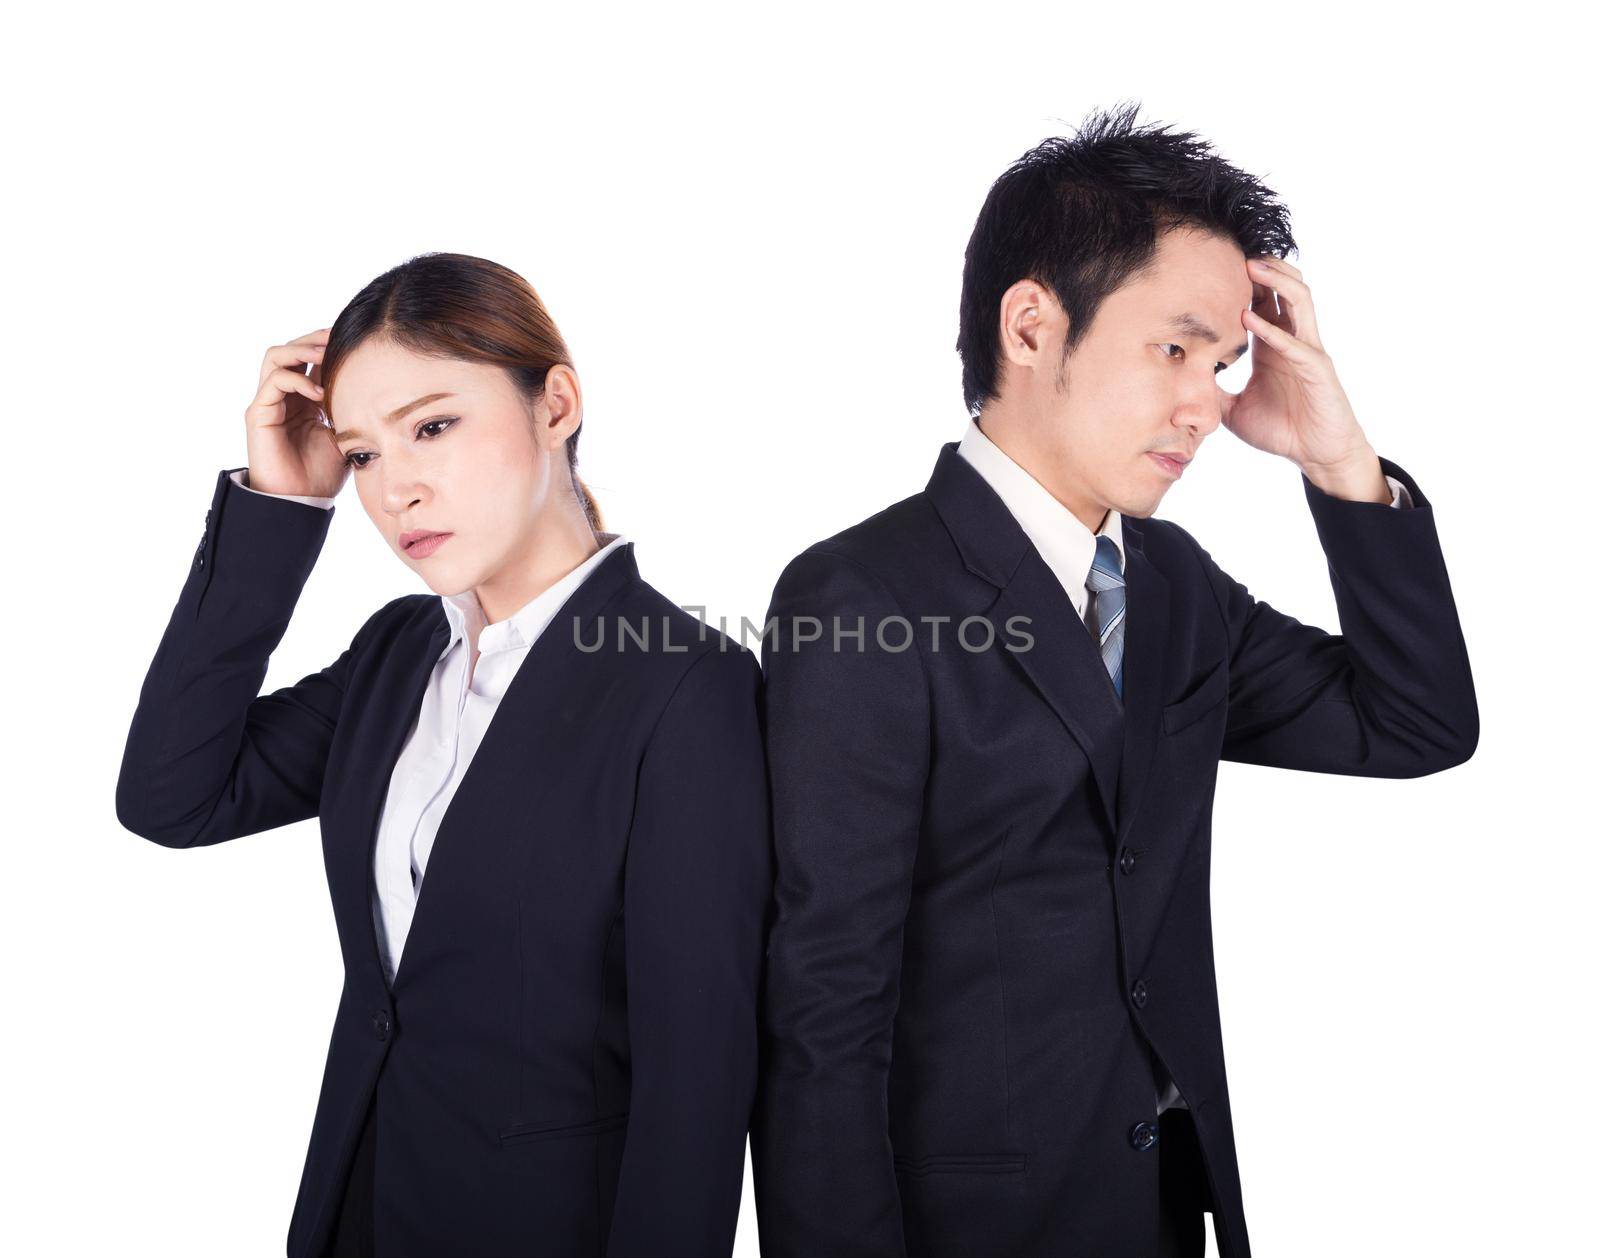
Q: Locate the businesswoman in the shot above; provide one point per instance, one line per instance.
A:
(540, 788)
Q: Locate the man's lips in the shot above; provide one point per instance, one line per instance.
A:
(1172, 463)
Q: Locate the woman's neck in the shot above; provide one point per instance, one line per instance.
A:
(557, 545)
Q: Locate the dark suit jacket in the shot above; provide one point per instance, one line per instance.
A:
(992, 890)
(566, 1062)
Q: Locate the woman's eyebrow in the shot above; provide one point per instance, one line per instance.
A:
(400, 412)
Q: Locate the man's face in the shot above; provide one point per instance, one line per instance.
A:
(1146, 376)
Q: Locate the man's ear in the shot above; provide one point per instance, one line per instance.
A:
(1028, 310)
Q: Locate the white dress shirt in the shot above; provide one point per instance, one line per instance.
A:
(1063, 541)
(1067, 546)
(469, 678)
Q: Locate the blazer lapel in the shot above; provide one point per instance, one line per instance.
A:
(1144, 666)
(1064, 661)
(390, 716)
(522, 733)
(1065, 666)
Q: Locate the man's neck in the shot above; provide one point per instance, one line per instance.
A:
(1011, 434)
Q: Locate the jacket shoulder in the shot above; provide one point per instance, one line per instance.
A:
(398, 615)
(1166, 536)
(1181, 558)
(1172, 548)
(672, 640)
(900, 539)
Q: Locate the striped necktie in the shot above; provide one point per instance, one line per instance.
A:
(1110, 605)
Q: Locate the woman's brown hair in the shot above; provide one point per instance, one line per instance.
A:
(453, 305)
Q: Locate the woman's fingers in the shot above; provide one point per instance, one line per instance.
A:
(306, 348)
(276, 386)
(288, 405)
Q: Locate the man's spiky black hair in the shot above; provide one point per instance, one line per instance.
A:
(1083, 214)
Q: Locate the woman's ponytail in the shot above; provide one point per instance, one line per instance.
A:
(591, 508)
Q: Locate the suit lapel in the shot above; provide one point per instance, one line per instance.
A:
(520, 752)
(391, 715)
(1117, 736)
(1143, 670)
(1065, 666)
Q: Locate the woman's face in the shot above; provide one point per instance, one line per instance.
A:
(442, 445)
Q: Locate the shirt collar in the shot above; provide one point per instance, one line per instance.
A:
(523, 627)
(1063, 541)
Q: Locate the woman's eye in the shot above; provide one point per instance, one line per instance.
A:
(426, 430)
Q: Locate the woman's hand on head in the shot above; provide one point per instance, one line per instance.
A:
(291, 449)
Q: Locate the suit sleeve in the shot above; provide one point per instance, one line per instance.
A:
(697, 888)
(848, 747)
(1391, 695)
(241, 477)
(207, 757)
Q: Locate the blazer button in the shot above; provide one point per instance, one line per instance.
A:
(380, 1024)
(1143, 1136)
(1126, 863)
(1140, 993)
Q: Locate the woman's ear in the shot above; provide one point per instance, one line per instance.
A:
(560, 411)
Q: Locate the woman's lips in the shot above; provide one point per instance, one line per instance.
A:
(426, 545)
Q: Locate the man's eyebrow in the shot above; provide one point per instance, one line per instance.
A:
(1186, 324)
(400, 412)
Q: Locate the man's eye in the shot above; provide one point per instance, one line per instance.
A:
(1216, 371)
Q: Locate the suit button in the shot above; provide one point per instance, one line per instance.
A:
(380, 1024)
(1143, 1136)
(1140, 993)
(1126, 863)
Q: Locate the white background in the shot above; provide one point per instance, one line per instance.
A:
(749, 224)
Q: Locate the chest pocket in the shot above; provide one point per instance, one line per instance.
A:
(1211, 691)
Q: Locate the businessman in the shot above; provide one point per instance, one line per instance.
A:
(995, 711)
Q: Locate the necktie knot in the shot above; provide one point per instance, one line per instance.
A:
(1106, 572)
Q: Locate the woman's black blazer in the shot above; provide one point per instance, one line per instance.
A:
(566, 1060)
